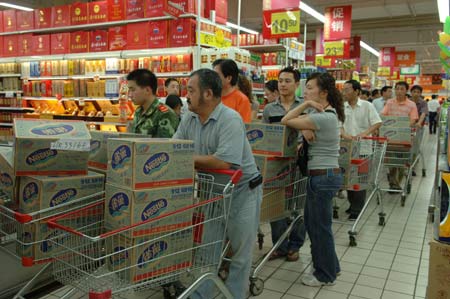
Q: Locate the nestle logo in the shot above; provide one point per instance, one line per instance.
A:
(95, 145)
(156, 163)
(153, 209)
(40, 156)
(254, 135)
(30, 192)
(153, 251)
(119, 257)
(52, 130)
(6, 180)
(118, 203)
(120, 156)
(63, 196)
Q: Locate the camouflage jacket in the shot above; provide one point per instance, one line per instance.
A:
(159, 121)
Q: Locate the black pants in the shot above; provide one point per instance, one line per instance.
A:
(432, 116)
(356, 200)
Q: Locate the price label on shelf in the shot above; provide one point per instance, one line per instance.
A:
(9, 94)
(79, 145)
(335, 48)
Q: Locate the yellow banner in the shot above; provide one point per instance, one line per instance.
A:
(285, 22)
(214, 40)
(335, 48)
(322, 62)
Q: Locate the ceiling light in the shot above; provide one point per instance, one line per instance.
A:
(15, 6)
(369, 48)
(444, 10)
(234, 26)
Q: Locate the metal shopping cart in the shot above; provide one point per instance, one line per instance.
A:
(26, 236)
(283, 197)
(404, 155)
(152, 253)
(363, 173)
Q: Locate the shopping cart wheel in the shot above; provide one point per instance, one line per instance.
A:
(352, 241)
(335, 214)
(382, 221)
(260, 241)
(256, 286)
(424, 173)
(403, 199)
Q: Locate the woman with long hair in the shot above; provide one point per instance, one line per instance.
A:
(245, 86)
(321, 112)
(271, 91)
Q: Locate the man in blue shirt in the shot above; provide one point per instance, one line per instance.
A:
(220, 143)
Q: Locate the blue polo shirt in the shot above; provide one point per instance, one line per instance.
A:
(223, 135)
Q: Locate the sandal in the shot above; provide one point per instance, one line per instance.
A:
(277, 255)
(292, 256)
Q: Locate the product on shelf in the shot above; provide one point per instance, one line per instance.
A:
(98, 11)
(79, 13)
(42, 18)
(60, 16)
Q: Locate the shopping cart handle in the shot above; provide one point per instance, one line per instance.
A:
(234, 174)
(375, 138)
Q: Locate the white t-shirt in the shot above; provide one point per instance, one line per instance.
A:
(433, 105)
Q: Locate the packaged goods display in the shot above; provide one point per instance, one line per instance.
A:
(8, 182)
(272, 139)
(275, 169)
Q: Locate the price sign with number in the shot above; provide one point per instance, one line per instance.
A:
(321, 61)
(281, 23)
(335, 49)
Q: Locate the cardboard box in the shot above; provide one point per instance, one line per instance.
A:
(273, 205)
(79, 42)
(41, 44)
(137, 36)
(439, 271)
(98, 41)
(98, 12)
(124, 207)
(8, 182)
(181, 63)
(43, 192)
(117, 37)
(79, 14)
(98, 156)
(42, 18)
(276, 171)
(25, 20)
(60, 43)
(60, 15)
(396, 121)
(272, 139)
(140, 259)
(25, 44)
(135, 9)
(10, 45)
(116, 10)
(142, 163)
(157, 34)
(182, 32)
(9, 20)
(396, 135)
(349, 149)
(33, 153)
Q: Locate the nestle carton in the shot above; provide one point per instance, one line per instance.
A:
(8, 183)
(439, 271)
(273, 204)
(396, 121)
(349, 149)
(33, 152)
(276, 171)
(124, 207)
(98, 156)
(142, 163)
(135, 260)
(43, 192)
(272, 139)
(396, 134)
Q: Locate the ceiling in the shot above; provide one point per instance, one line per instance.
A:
(405, 24)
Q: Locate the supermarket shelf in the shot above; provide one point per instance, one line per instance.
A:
(9, 75)
(17, 109)
(69, 99)
(10, 91)
(105, 123)
(9, 125)
(265, 48)
(103, 76)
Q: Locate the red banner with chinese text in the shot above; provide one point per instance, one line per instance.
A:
(405, 58)
(338, 22)
(387, 57)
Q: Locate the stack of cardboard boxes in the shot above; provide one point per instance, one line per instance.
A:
(147, 178)
(275, 149)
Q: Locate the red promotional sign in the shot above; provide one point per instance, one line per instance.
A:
(280, 4)
(405, 58)
(310, 50)
(281, 23)
(319, 41)
(338, 22)
(387, 56)
(355, 47)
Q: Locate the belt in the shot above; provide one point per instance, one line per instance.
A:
(316, 172)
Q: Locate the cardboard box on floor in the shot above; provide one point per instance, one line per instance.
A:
(33, 153)
(272, 139)
(143, 163)
(439, 271)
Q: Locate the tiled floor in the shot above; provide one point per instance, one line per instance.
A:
(388, 262)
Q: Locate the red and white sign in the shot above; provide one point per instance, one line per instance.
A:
(387, 56)
(405, 58)
(338, 22)
(310, 50)
(355, 47)
(281, 23)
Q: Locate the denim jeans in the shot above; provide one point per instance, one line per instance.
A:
(241, 231)
(295, 239)
(318, 218)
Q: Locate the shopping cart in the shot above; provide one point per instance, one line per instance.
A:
(363, 173)
(26, 237)
(283, 197)
(404, 156)
(104, 263)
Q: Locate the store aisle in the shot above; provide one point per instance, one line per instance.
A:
(389, 262)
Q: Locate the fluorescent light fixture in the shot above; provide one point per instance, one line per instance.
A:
(369, 48)
(312, 12)
(234, 26)
(15, 6)
(444, 9)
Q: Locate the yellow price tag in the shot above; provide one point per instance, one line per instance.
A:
(285, 22)
(322, 61)
(335, 49)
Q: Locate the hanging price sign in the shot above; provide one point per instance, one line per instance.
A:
(281, 23)
(335, 49)
(321, 61)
